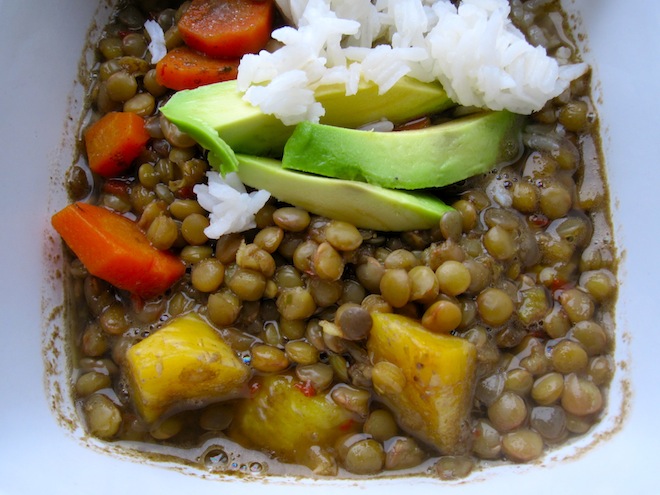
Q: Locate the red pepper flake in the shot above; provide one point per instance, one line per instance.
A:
(413, 125)
(186, 192)
(347, 425)
(538, 334)
(539, 220)
(116, 187)
(254, 388)
(559, 284)
(306, 388)
(556, 284)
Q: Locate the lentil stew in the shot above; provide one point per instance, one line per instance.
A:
(521, 273)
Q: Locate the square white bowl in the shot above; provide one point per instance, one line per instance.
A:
(42, 446)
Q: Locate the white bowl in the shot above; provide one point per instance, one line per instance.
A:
(42, 447)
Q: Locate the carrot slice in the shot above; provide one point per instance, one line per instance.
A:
(114, 141)
(184, 68)
(227, 28)
(113, 248)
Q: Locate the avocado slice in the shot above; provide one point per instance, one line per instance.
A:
(432, 157)
(218, 118)
(363, 205)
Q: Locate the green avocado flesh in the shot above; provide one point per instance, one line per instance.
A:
(218, 118)
(363, 205)
(432, 157)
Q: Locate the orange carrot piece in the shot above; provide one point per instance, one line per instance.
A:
(114, 141)
(113, 248)
(184, 68)
(227, 28)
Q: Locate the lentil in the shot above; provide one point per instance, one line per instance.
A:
(522, 445)
(388, 378)
(91, 382)
(223, 307)
(487, 440)
(381, 425)
(395, 287)
(442, 316)
(454, 278)
(167, 428)
(548, 388)
(365, 457)
(569, 357)
(495, 306)
(403, 453)
(453, 467)
(508, 412)
(343, 236)
(319, 375)
(301, 352)
(102, 416)
(208, 275)
(268, 359)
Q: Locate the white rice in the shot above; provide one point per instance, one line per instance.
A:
(156, 46)
(231, 207)
(474, 50)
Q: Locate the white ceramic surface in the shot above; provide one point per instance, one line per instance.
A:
(41, 452)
